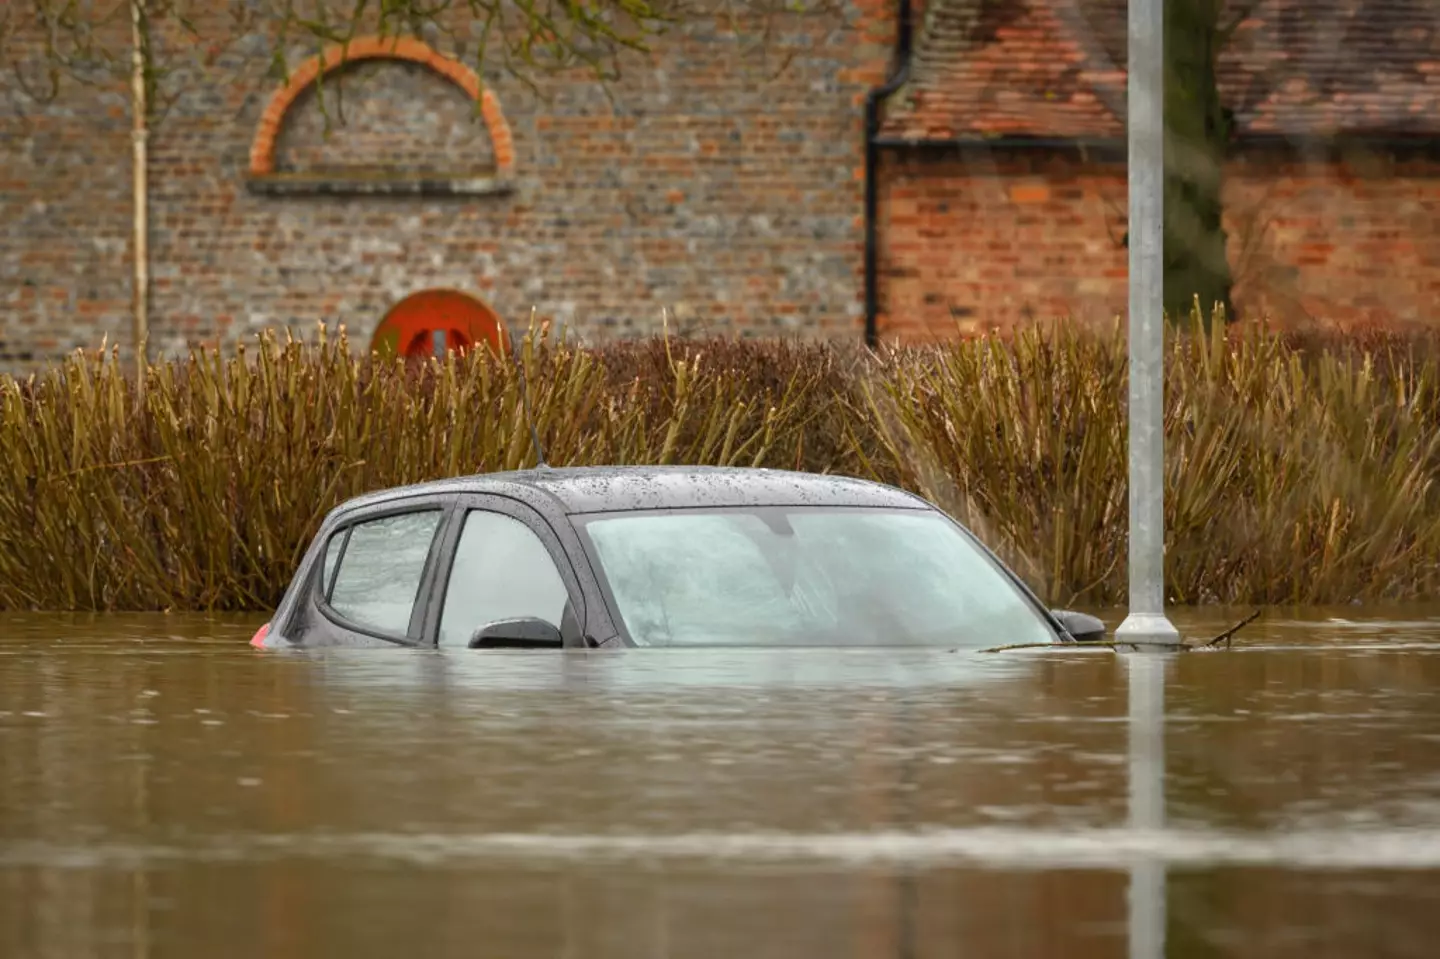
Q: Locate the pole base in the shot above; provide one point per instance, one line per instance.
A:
(1148, 632)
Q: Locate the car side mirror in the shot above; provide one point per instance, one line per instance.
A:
(1082, 627)
(517, 634)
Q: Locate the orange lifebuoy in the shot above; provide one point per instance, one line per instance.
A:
(432, 321)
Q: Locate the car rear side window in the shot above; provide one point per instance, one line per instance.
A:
(380, 572)
(502, 570)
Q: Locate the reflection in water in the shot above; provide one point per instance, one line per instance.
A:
(170, 792)
(1146, 729)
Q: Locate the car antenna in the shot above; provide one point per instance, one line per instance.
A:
(525, 401)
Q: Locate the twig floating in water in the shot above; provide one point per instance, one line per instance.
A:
(1226, 636)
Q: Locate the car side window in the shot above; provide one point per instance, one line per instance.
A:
(380, 571)
(502, 570)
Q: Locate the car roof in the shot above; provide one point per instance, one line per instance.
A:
(594, 489)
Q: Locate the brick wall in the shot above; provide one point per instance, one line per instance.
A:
(65, 214)
(987, 243)
(715, 184)
(350, 123)
(1336, 243)
(719, 183)
(972, 245)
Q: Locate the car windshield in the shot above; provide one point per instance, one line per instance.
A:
(776, 576)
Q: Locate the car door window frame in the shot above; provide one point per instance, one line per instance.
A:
(415, 629)
(533, 520)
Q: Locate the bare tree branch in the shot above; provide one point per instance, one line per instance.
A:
(50, 42)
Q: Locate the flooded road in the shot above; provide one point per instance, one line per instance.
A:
(169, 792)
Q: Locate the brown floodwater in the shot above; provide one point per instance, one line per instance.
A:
(167, 791)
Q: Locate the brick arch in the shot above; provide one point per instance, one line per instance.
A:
(262, 151)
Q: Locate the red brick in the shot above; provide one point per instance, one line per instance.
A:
(1030, 193)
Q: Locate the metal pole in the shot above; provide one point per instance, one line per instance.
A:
(1146, 626)
(140, 108)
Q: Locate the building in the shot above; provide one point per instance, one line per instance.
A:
(720, 180)
(1332, 195)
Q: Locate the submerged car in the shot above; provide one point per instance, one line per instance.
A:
(600, 557)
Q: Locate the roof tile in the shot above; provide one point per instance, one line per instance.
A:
(1056, 68)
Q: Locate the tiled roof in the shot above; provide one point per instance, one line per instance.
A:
(1056, 68)
(1321, 66)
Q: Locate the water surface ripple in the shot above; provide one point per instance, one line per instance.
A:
(170, 792)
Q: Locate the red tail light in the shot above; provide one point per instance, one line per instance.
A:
(258, 640)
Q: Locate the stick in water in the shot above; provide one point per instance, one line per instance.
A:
(1226, 636)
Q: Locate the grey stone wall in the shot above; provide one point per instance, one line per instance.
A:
(710, 182)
